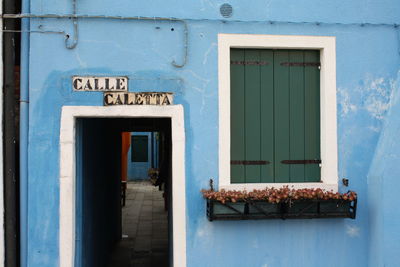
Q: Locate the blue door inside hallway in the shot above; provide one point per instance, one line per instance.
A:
(140, 155)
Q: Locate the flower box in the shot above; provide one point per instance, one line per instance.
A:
(334, 205)
(229, 208)
(331, 207)
(217, 210)
(279, 203)
(263, 207)
(303, 209)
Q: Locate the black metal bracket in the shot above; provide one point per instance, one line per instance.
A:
(250, 62)
(301, 64)
(249, 162)
(211, 184)
(305, 161)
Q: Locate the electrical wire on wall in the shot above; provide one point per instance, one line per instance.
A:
(184, 21)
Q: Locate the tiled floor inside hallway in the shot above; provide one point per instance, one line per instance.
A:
(144, 229)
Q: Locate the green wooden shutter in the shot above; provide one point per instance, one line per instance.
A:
(140, 148)
(275, 115)
(252, 116)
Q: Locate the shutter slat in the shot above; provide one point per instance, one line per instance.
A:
(237, 116)
(281, 115)
(267, 115)
(296, 115)
(312, 115)
(252, 116)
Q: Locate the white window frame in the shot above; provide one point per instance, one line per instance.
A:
(327, 47)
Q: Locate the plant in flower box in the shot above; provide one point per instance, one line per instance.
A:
(227, 202)
(280, 203)
(261, 202)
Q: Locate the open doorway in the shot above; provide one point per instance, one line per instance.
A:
(123, 222)
(68, 228)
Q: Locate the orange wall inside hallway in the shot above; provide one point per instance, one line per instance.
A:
(126, 143)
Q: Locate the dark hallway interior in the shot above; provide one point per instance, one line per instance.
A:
(139, 233)
(144, 228)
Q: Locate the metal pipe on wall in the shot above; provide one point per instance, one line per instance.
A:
(10, 140)
(24, 122)
(122, 18)
(74, 43)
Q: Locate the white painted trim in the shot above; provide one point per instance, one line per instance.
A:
(327, 47)
(2, 239)
(67, 171)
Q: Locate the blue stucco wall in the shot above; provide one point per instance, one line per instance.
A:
(383, 183)
(367, 71)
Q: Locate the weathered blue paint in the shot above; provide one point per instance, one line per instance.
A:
(138, 170)
(367, 71)
(383, 184)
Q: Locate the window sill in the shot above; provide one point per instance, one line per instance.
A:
(251, 186)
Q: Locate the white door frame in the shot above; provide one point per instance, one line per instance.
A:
(69, 115)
